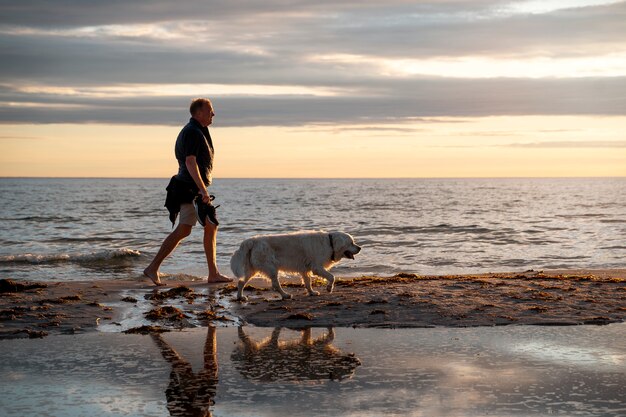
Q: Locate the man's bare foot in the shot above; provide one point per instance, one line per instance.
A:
(219, 279)
(154, 276)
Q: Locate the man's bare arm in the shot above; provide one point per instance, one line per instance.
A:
(194, 171)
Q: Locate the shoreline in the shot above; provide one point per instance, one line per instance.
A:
(558, 297)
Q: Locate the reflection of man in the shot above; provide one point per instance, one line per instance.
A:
(189, 394)
(194, 152)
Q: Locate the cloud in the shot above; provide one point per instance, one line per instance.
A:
(389, 29)
(19, 138)
(613, 64)
(380, 102)
(495, 133)
(72, 13)
(123, 62)
(368, 129)
(570, 144)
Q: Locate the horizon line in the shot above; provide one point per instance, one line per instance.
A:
(326, 178)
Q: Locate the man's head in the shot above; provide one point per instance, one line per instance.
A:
(201, 109)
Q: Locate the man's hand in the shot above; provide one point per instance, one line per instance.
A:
(205, 195)
(192, 167)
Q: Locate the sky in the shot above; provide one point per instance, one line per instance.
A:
(450, 88)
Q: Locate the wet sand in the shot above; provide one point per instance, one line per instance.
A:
(404, 300)
(531, 371)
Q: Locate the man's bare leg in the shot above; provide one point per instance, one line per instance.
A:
(210, 243)
(167, 247)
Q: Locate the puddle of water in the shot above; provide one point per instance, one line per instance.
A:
(133, 314)
(228, 371)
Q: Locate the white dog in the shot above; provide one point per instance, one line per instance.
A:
(305, 253)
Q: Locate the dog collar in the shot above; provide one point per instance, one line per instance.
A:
(332, 248)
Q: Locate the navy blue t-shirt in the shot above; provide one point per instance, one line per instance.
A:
(194, 140)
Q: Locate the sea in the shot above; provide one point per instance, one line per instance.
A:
(69, 229)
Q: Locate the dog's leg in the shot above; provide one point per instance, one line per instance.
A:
(276, 285)
(330, 336)
(321, 272)
(274, 339)
(306, 277)
(306, 337)
(249, 344)
(240, 286)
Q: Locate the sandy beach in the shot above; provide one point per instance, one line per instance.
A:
(466, 345)
(564, 297)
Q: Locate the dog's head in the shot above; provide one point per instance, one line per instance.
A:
(344, 245)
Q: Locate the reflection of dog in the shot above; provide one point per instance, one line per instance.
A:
(304, 252)
(296, 360)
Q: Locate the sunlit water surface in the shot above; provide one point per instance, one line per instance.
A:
(512, 371)
(76, 229)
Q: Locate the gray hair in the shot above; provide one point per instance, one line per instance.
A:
(197, 104)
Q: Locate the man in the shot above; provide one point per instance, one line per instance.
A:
(194, 152)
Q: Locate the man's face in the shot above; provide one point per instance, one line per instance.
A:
(205, 115)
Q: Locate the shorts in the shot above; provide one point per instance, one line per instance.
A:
(187, 214)
(189, 217)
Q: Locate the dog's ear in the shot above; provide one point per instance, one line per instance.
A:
(339, 244)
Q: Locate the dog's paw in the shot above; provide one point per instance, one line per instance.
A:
(314, 293)
(330, 287)
(242, 299)
(287, 296)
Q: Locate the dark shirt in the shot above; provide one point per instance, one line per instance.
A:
(194, 140)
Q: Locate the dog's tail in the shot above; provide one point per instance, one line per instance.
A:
(240, 261)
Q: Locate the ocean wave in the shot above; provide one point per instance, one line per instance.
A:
(89, 239)
(180, 277)
(442, 228)
(107, 255)
(581, 215)
(42, 219)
